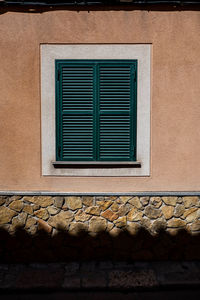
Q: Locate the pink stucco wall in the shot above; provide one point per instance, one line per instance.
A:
(175, 95)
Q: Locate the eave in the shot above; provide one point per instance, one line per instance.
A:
(142, 3)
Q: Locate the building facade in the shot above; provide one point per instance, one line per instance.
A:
(100, 128)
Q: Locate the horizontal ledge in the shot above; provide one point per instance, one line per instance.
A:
(131, 194)
(96, 164)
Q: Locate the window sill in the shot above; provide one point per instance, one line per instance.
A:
(90, 164)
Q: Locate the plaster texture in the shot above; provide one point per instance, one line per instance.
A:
(175, 90)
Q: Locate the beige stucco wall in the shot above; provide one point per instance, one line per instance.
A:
(175, 95)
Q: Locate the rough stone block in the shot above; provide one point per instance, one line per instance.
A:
(42, 225)
(72, 203)
(176, 223)
(71, 268)
(191, 201)
(97, 224)
(61, 220)
(144, 201)
(20, 220)
(88, 200)
(131, 279)
(167, 211)
(53, 210)
(104, 204)
(6, 215)
(135, 201)
(58, 201)
(110, 215)
(42, 213)
(16, 205)
(28, 209)
(37, 278)
(120, 222)
(72, 282)
(156, 201)
(93, 210)
(170, 200)
(152, 212)
(94, 280)
(179, 210)
(135, 215)
(77, 228)
(82, 216)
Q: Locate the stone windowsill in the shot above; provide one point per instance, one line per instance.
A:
(86, 164)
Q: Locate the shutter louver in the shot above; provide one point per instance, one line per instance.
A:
(96, 110)
(77, 136)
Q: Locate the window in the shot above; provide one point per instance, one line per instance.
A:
(97, 114)
(96, 110)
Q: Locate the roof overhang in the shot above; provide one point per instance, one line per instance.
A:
(98, 2)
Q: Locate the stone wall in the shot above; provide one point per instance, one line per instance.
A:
(94, 214)
(123, 227)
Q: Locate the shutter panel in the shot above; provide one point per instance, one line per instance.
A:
(76, 112)
(116, 111)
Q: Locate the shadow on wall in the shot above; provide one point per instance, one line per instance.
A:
(63, 247)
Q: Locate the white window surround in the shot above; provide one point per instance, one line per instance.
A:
(50, 52)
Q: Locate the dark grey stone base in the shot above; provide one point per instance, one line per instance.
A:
(99, 276)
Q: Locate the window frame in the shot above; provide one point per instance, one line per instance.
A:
(97, 64)
(51, 52)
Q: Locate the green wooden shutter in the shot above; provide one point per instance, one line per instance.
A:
(116, 98)
(75, 112)
(96, 110)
